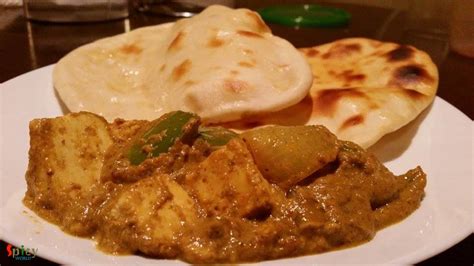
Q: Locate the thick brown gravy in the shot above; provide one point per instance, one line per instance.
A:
(203, 205)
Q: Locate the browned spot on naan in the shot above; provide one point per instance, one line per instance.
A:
(162, 68)
(405, 76)
(131, 49)
(311, 52)
(261, 26)
(189, 83)
(234, 72)
(354, 77)
(354, 47)
(403, 52)
(247, 51)
(249, 34)
(113, 86)
(349, 76)
(352, 121)
(215, 42)
(413, 94)
(341, 49)
(176, 43)
(246, 64)
(325, 103)
(180, 70)
(236, 86)
(193, 103)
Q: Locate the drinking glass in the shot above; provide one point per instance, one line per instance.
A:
(75, 10)
(177, 8)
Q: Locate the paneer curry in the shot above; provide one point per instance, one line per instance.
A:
(175, 189)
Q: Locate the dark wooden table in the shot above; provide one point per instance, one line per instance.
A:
(25, 46)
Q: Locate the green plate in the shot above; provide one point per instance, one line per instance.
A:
(305, 15)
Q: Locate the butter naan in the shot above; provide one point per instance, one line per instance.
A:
(221, 64)
(362, 90)
(226, 66)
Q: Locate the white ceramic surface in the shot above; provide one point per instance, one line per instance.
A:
(440, 140)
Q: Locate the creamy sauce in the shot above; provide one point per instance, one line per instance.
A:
(214, 206)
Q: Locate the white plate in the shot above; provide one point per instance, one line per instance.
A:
(442, 144)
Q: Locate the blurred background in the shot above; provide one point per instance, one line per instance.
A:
(442, 28)
(431, 25)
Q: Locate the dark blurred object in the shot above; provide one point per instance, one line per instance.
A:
(41, 49)
(426, 28)
(461, 254)
(168, 8)
(75, 11)
(462, 27)
(176, 8)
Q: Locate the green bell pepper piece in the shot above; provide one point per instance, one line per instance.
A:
(162, 134)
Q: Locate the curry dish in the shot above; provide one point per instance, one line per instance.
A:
(172, 188)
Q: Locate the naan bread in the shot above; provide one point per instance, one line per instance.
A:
(107, 77)
(222, 64)
(362, 90)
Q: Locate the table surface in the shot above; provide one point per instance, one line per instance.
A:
(25, 46)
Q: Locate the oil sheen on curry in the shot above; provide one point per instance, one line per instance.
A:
(173, 188)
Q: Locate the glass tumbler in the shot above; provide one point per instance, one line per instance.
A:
(177, 8)
(75, 10)
(462, 27)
